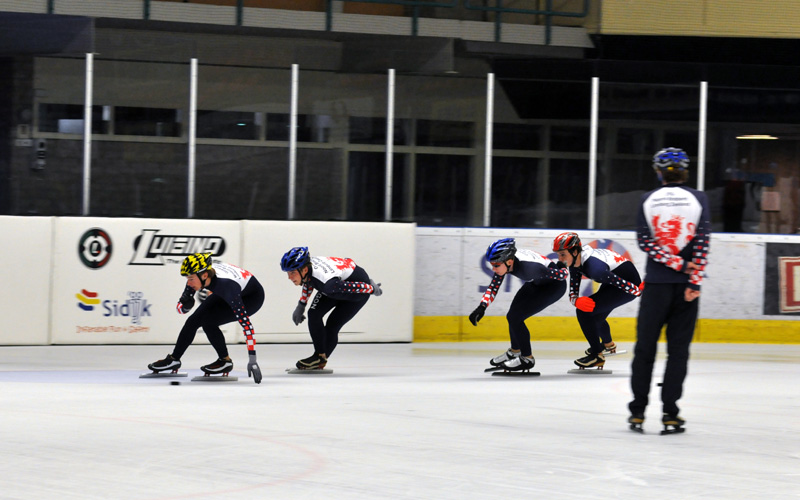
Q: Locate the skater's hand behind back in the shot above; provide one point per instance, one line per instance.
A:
(376, 288)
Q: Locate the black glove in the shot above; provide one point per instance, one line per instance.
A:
(253, 369)
(560, 265)
(297, 315)
(376, 288)
(185, 304)
(477, 314)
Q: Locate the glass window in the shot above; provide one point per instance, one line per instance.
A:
(68, 118)
(563, 138)
(227, 125)
(442, 190)
(517, 136)
(366, 182)
(519, 197)
(310, 128)
(568, 192)
(158, 122)
(635, 141)
(373, 130)
(445, 133)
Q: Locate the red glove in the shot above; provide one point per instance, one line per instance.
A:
(585, 304)
(641, 287)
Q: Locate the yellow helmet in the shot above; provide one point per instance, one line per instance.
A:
(195, 263)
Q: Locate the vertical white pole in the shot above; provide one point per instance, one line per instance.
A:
(487, 168)
(701, 139)
(593, 152)
(192, 136)
(87, 132)
(293, 142)
(387, 206)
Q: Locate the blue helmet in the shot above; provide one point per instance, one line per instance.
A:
(295, 259)
(670, 159)
(501, 250)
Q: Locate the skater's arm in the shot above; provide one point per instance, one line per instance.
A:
(306, 293)
(186, 302)
(492, 289)
(244, 321)
(574, 285)
(700, 244)
(600, 272)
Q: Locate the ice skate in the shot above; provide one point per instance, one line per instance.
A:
(217, 372)
(591, 361)
(314, 364)
(673, 424)
(167, 367)
(518, 365)
(608, 350)
(499, 360)
(636, 420)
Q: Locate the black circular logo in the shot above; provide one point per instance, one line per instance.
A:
(94, 248)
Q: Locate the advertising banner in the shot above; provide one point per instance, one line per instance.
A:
(117, 281)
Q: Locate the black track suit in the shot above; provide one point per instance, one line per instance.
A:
(673, 229)
(235, 296)
(545, 283)
(341, 286)
(619, 284)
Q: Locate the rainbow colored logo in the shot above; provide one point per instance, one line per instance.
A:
(87, 300)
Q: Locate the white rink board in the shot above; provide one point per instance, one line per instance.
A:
(733, 289)
(25, 293)
(138, 289)
(385, 251)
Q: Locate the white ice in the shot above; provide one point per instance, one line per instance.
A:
(394, 421)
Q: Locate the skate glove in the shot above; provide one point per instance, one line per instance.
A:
(585, 304)
(252, 368)
(376, 288)
(297, 315)
(477, 314)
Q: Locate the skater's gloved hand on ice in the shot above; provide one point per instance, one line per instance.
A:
(297, 315)
(376, 288)
(185, 304)
(585, 304)
(477, 314)
(252, 368)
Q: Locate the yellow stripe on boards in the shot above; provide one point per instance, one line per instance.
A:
(495, 328)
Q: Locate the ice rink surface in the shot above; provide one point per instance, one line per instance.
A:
(394, 421)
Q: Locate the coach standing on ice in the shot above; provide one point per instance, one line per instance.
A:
(673, 228)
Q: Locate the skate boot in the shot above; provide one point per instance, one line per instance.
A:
(591, 361)
(168, 363)
(518, 363)
(220, 366)
(607, 349)
(673, 424)
(499, 360)
(313, 362)
(636, 420)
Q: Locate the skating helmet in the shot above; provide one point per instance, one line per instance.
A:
(670, 159)
(501, 250)
(295, 259)
(566, 241)
(195, 263)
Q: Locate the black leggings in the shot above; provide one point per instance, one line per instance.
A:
(213, 312)
(529, 300)
(325, 336)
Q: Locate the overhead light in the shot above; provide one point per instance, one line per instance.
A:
(757, 136)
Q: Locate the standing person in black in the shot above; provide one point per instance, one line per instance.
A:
(673, 229)
(234, 294)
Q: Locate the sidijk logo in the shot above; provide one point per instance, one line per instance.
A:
(154, 249)
(94, 248)
(134, 307)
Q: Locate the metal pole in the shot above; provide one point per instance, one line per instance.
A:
(701, 139)
(387, 207)
(87, 133)
(593, 152)
(487, 168)
(293, 143)
(192, 135)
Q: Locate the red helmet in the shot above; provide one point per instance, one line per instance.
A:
(566, 241)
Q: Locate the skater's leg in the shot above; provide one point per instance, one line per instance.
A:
(680, 330)
(652, 313)
(320, 306)
(344, 311)
(589, 329)
(530, 300)
(606, 299)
